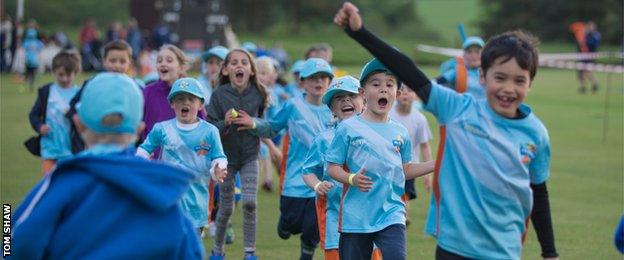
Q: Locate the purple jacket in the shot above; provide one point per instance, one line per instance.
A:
(157, 107)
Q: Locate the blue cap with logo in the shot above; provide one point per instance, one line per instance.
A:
(341, 84)
(250, 47)
(186, 85)
(296, 66)
(313, 66)
(216, 51)
(107, 94)
(473, 40)
(373, 65)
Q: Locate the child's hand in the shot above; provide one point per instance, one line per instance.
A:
(244, 120)
(361, 181)
(323, 187)
(44, 129)
(229, 116)
(348, 15)
(276, 155)
(428, 182)
(219, 173)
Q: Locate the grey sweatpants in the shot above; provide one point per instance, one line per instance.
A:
(249, 185)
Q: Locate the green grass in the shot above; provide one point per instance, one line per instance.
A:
(586, 184)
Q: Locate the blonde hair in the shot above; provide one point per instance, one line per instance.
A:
(180, 56)
(253, 78)
(265, 63)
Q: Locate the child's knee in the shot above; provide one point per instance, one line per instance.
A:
(249, 205)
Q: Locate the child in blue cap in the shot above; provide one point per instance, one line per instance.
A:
(47, 115)
(294, 88)
(491, 176)
(212, 60)
(189, 143)
(105, 202)
(463, 74)
(371, 156)
(304, 118)
(345, 101)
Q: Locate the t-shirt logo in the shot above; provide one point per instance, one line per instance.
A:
(527, 152)
(397, 143)
(202, 149)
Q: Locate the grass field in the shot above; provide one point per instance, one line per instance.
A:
(586, 184)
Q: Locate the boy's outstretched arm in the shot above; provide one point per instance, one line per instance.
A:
(414, 170)
(542, 221)
(348, 16)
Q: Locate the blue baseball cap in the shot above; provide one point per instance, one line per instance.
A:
(296, 66)
(216, 51)
(186, 85)
(341, 84)
(473, 40)
(111, 93)
(313, 66)
(250, 47)
(373, 65)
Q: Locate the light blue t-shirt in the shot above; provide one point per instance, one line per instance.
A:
(206, 88)
(382, 148)
(304, 122)
(473, 85)
(277, 101)
(192, 150)
(57, 144)
(32, 47)
(488, 163)
(316, 163)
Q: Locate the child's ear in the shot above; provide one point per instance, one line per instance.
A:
(224, 72)
(172, 106)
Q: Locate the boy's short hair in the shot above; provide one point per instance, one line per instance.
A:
(512, 44)
(118, 45)
(68, 60)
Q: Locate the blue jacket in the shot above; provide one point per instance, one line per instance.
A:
(114, 206)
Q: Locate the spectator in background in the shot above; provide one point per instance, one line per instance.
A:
(134, 38)
(6, 26)
(592, 40)
(32, 47)
(115, 32)
(279, 54)
(161, 35)
(89, 46)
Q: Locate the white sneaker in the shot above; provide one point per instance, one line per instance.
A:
(212, 230)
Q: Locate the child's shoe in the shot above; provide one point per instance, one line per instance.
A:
(250, 256)
(216, 256)
(229, 235)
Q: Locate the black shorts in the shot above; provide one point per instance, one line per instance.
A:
(298, 215)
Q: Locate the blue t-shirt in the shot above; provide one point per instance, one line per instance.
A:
(473, 85)
(57, 144)
(32, 47)
(192, 150)
(381, 148)
(487, 165)
(316, 163)
(304, 122)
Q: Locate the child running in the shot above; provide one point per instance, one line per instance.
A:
(191, 144)
(117, 58)
(212, 60)
(235, 108)
(345, 101)
(491, 176)
(376, 154)
(304, 118)
(47, 115)
(106, 191)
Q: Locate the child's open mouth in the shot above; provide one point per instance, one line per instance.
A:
(347, 109)
(163, 70)
(505, 101)
(382, 102)
(239, 75)
(185, 111)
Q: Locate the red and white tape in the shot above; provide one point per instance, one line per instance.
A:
(550, 60)
(588, 66)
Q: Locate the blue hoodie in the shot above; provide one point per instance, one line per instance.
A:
(110, 205)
